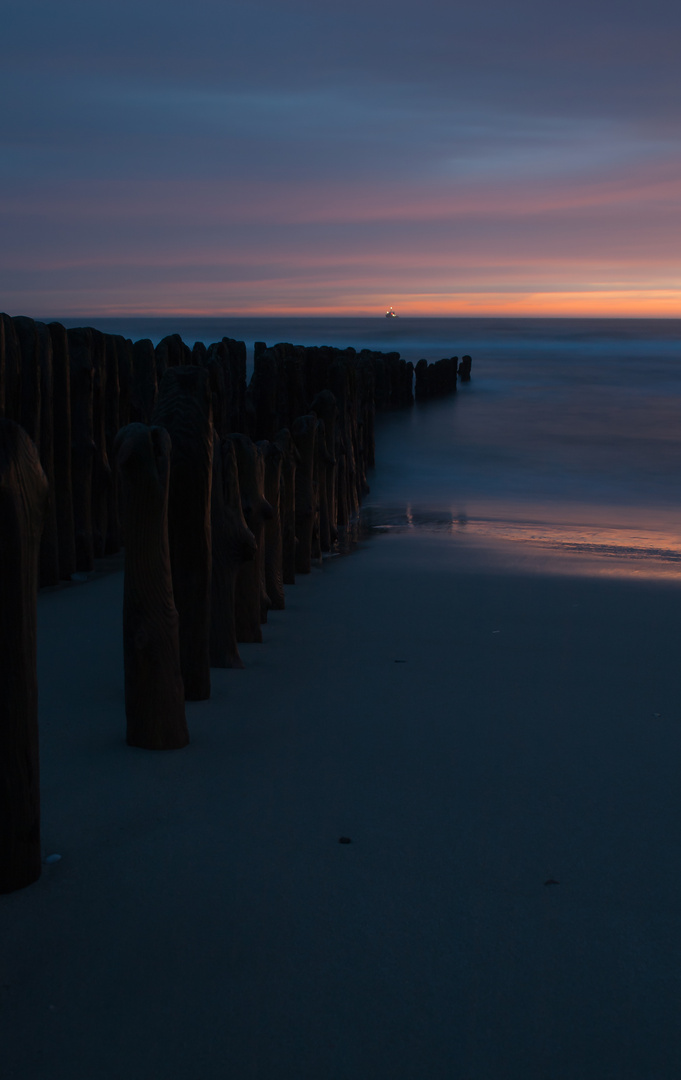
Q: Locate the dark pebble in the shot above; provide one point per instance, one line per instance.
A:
(344, 840)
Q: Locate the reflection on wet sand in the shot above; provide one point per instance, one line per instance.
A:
(547, 546)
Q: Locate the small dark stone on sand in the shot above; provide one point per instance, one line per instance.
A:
(400, 661)
(551, 881)
(344, 840)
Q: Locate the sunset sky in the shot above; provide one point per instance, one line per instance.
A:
(293, 156)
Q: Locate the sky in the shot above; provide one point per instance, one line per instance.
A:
(277, 157)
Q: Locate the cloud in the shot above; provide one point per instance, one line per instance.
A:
(143, 138)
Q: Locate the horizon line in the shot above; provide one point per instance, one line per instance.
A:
(193, 314)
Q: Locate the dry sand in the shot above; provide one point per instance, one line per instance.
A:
(476, 733)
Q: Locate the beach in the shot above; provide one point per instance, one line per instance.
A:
(500, 747)
(340, 447)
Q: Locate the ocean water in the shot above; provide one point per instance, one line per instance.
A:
(564, 450)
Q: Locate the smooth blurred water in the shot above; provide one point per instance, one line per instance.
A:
(567, 438)
(568, 435)
(604, 432)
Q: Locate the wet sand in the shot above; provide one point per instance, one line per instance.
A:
(503, 750)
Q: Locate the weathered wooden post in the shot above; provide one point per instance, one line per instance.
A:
(324, 406)
(29, 397)
(23, 502)
(199, 353)
(264, 390)
(82, 443)
(124, 365)
(144, 385)
(61, 429)
(112, 425)
(236, 361)
(218, 392)
(171, 351)
(49, 544)
(10, 375)
(2, 365)
(316, 546)
(304, 433)
(101, 472)
(249, 583)
(422, 381)
(366, 384)
(183, 407)
(274, 581)
(154, 693)
(347, 481)
(36, 419)
(287, 504)
(233, 544)
(464, 369)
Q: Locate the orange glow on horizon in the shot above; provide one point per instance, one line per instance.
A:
(665, 303)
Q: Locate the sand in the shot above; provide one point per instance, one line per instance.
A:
(475, 732)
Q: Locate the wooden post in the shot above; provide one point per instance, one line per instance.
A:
(232, 544)
(101, 473)
(304, 433)
(49, 544)
(2, 365)
(183, 407)
(82, 444)
(12, 369)
(23, 502)
(112, 425)
(274, 582)
(287, 505)
(124, 366)
(154, 694)
(144, 385)
(324, 406)
(249, 584)
(61, 429)
(29, 397)
(36, 419)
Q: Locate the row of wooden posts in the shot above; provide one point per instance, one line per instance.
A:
(220, 493)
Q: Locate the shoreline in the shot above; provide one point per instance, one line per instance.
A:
(204, 918)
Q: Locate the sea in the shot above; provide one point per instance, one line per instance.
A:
(562, 454)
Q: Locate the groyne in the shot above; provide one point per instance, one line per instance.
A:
(220, 492)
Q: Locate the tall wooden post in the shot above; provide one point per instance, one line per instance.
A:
(61, 398)
(101, 472)
(112, 425)
(248, 595)
(49, 544)
(232, 545)
(287, 504)
(304, 433)
(23, 502)
(154, 694)
(81, 375)
(11, 376)
(183, 408)
(274, 581)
